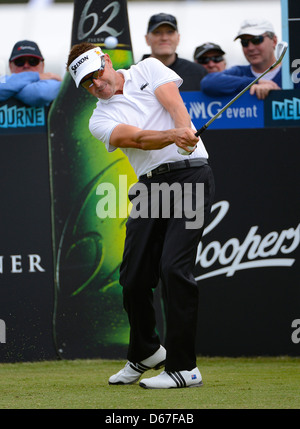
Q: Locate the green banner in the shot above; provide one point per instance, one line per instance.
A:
(89, 320)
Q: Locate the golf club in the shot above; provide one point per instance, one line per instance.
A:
(280, 52)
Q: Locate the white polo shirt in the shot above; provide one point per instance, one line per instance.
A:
(139, 107)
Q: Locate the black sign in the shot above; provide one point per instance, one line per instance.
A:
(26, 267)
(95, 20)
(248, 263)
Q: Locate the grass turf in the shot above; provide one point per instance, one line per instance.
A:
(229, 383)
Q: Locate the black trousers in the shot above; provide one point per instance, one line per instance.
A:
(160, 247)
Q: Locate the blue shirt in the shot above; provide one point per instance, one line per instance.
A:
(28, 88)
(232, 81)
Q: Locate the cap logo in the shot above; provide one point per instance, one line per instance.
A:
(208, 46)
(75, 66)
(26, 47)
(89, 61)
(248, 24)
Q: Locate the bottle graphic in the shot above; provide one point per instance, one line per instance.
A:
(89, 320)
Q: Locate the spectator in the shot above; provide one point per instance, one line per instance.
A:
(28, 82)
(210, 56)
(163, 38)
(258, 41)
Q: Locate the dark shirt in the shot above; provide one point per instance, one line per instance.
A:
(191, 73)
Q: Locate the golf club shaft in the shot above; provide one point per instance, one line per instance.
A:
(203, 128)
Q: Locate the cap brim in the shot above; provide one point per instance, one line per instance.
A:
(25, 55)
(207, 50)
(251, 32)
(155, 26)
(89, 67)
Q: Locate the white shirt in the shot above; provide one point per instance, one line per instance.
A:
(139, 107)
(268, 76)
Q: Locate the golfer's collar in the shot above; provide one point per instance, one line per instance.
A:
(127, 76)
(125, 73)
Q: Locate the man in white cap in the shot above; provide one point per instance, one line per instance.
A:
(258, 42)
(140, 111)
(28, 82)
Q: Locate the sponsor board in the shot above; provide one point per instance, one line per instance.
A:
(282, 109)
(246, 112)
(17, 118)
(279, 109)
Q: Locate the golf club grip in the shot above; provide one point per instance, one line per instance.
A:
(201, 130)
(197, 134)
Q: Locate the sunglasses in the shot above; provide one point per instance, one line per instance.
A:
(206, 60)
(32, 61)
(256, 40)
(89, 81)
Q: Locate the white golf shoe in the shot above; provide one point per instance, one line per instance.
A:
(174, 379)
(133, 371)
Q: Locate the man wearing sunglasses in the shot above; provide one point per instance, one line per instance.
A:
(140, 111)
(211, 57)
(28, 82)
(258, 42)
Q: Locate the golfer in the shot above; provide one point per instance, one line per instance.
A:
(140, 111)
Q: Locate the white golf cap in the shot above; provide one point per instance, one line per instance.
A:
(255, 27)
(86, 63)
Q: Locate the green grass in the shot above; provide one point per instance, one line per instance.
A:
(229, 383)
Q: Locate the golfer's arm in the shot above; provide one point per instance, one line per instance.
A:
(132, 137)
(169, 96)
(127, 136)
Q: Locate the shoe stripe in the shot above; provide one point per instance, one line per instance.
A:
(139, 367)
(177, 377)
(171, 374)
(142, 366)
(183, 383)
(136, 368)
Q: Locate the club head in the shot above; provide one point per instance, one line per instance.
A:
(281, 49)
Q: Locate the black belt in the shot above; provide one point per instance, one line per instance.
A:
(171, 166)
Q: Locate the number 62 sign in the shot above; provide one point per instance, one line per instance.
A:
(93, 22)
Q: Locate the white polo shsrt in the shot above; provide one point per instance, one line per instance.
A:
(139, 107)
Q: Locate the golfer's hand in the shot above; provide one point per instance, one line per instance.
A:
(185, 139)
(262, 88)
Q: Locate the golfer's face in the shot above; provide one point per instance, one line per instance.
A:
(104, 87)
